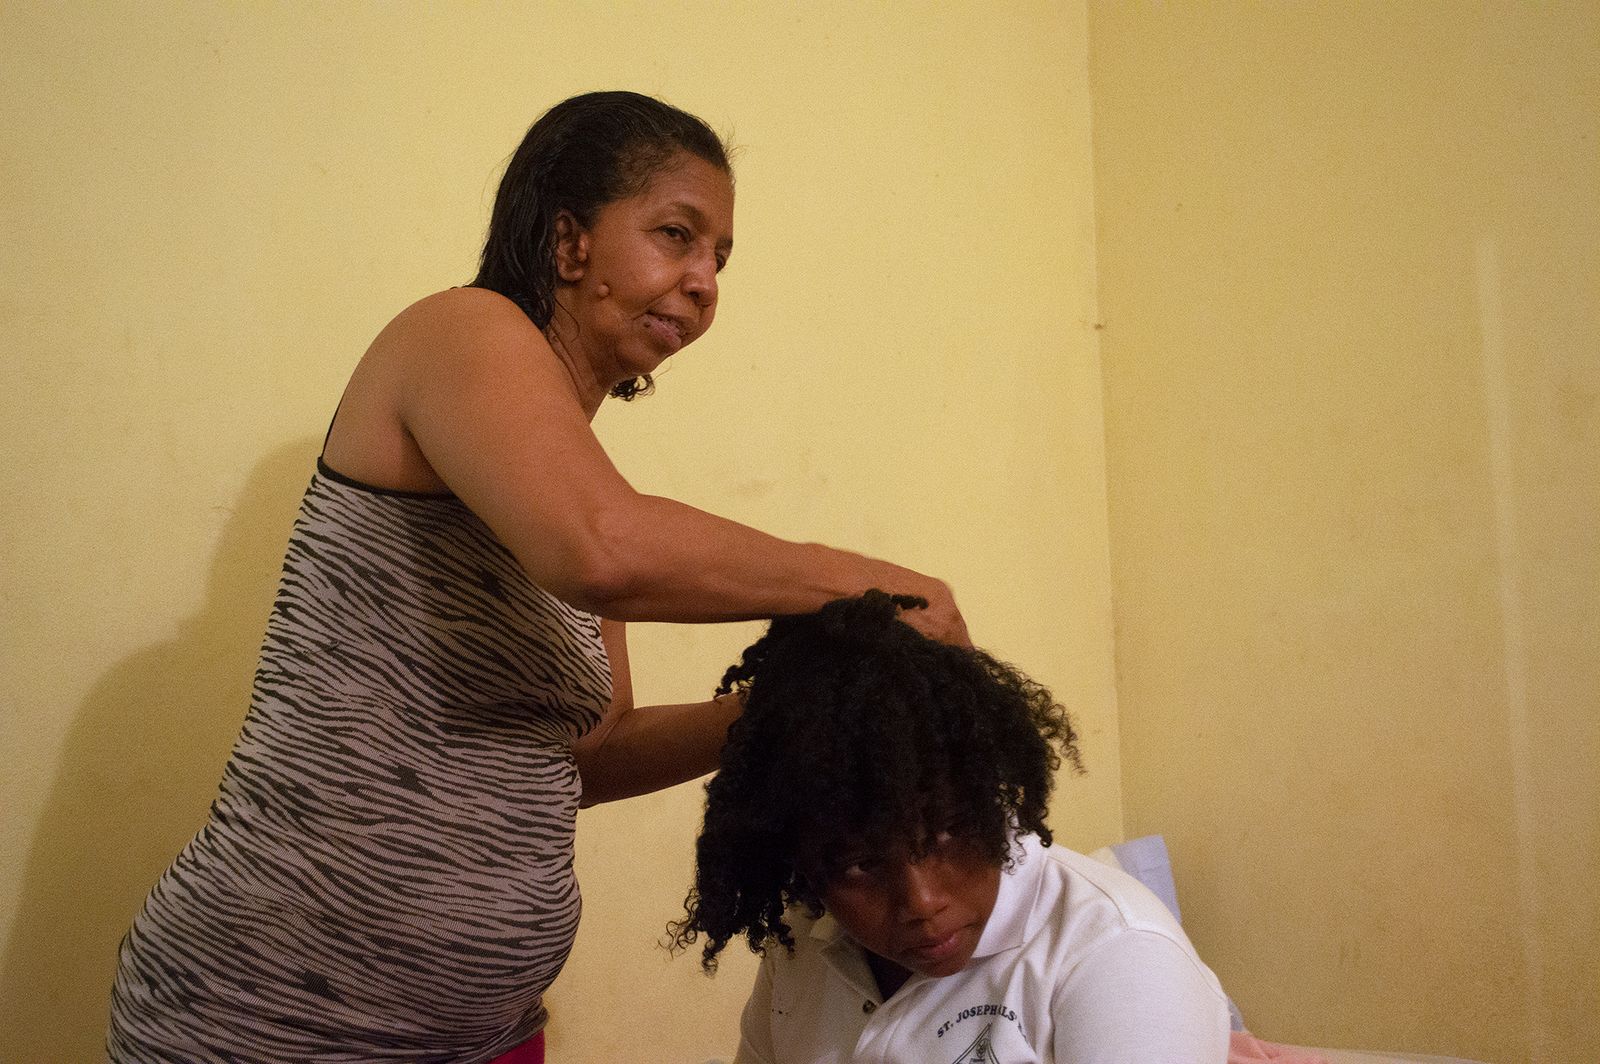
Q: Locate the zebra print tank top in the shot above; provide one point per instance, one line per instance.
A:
(386, 874)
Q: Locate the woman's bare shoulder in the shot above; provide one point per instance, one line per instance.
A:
(470, 311)
(462, 346)
(460, 327)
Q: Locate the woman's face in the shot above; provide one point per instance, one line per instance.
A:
(923, 912)
(640, 283)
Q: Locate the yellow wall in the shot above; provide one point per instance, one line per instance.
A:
(210, 208)
(1348, 284)
(1349, 265)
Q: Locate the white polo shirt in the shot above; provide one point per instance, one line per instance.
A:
(1079, 964)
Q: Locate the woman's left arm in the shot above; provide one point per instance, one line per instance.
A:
(638, 749)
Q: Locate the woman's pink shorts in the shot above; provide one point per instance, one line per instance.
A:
(529, 1052)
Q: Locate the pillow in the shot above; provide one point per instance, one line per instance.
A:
(1146, 860)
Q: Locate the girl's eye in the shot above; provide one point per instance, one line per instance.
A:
(676, 232)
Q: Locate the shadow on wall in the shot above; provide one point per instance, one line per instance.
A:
(138, 771)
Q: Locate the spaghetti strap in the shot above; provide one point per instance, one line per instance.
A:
(329, 433)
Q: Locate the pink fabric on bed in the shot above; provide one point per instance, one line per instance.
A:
(1246, 1048)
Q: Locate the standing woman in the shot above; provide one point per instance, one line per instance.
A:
(386, 874)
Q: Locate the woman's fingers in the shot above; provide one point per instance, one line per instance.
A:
(941, 619)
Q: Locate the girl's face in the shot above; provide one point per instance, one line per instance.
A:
(640, 284)
(922, 912)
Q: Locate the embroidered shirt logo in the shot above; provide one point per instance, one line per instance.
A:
(980, 1051)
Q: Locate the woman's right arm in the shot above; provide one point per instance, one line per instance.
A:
(497, 417)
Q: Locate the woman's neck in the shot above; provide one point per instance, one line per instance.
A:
(585, 381)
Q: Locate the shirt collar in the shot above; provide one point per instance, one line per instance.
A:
(1008, 925)
(844, 956)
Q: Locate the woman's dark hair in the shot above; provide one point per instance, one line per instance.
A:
(580, 155)
(859, 729)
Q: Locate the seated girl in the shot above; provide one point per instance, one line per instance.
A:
(877, 832)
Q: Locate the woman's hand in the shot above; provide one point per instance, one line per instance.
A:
(941, 619)
(637, 750)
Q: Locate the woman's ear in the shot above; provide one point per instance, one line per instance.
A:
(572, 247)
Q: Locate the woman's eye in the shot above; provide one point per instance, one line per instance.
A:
(676, 232)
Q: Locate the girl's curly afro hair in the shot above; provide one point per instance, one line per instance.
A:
(858, 729)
